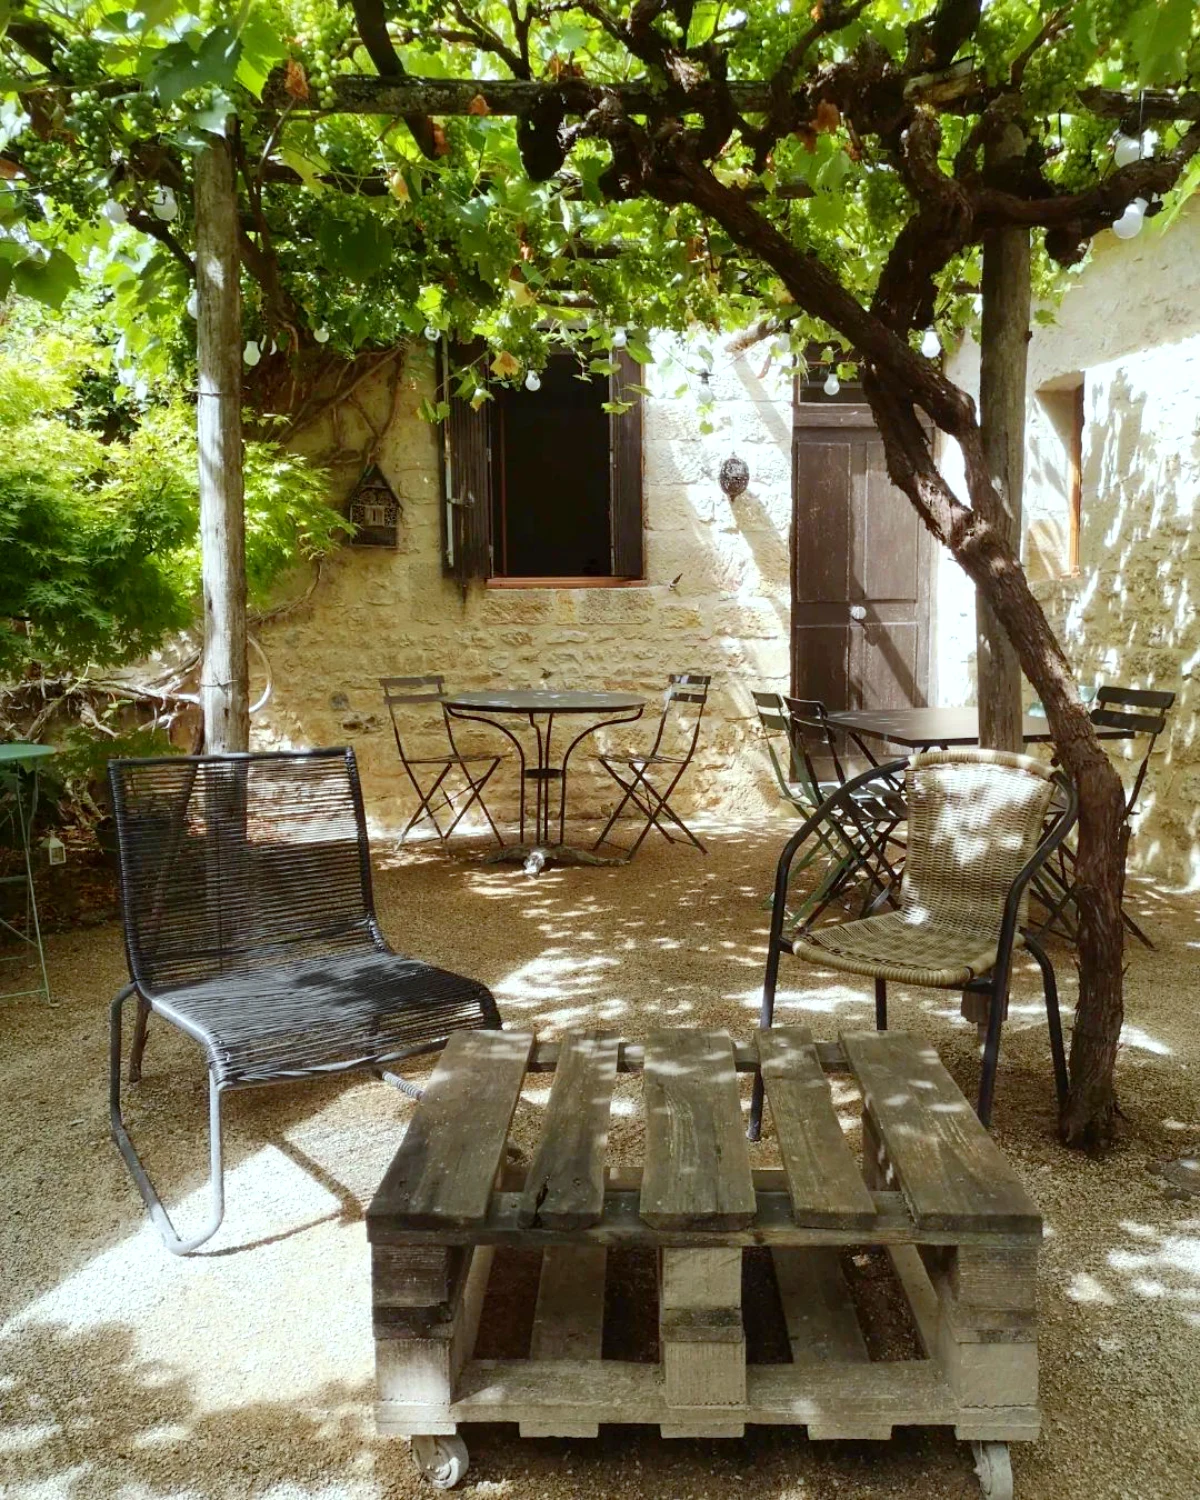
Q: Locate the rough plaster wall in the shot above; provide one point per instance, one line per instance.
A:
(380, 613)
(1131, 324)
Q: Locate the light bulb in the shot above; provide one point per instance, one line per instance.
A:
(931, 345)
(163, 205)
(620, 338)
(126, 376)
(781, 347)
(1130, 222)
(1127, 150)
(321, 334)
(533, 381)
(832, 384)
(114, 212)
(251, 354)
(432, 333)
(193, 303)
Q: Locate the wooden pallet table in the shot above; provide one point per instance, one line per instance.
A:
(932, 1188)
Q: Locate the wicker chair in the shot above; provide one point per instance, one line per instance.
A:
(250, 925)
(978, 831)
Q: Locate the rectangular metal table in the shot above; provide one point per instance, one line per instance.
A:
(931, 1186)
(926, 728)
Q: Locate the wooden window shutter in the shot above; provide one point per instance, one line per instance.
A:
(625, 449)
(467, 526)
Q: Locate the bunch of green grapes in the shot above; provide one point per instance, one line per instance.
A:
(326, 40)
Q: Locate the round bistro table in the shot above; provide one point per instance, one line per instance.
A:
(539, 707)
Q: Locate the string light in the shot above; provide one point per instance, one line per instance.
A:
(620, 338)
(251, 354)
(1131, 221)
(432, 333)
(931, 345)
(1127, 150)
(533, 381)
(832, 384)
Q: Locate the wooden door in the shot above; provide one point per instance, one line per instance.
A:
(861, 568)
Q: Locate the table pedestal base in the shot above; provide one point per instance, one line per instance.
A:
(535, 857)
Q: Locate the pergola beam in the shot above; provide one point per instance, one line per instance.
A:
(365, 94)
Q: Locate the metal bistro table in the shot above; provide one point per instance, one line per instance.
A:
(925, 728)
(18, 807)
(540, 707)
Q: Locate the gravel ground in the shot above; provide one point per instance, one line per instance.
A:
(246, 1370)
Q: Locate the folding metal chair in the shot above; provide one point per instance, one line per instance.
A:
(250, 925)
(1137, 711)
(405, 692)
(858, 838)
(652, 799)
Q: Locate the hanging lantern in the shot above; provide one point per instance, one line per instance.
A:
(374, 510)
(734, 476)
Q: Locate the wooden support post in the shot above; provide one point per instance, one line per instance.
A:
(1004, 347)
(224, 673)
(703, 1342)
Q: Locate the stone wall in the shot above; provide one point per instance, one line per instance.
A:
(716, 598)
(1130, 325)
(717, 592)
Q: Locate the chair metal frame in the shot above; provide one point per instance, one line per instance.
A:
(651, 801)
(406, 691)
(414, 983)
(994, 984)
(852, 845)
(1113, 708)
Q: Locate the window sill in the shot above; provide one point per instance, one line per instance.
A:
(567, 583)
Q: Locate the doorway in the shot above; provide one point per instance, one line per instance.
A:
(862, 564)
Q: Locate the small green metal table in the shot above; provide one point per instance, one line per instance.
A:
(18, 807)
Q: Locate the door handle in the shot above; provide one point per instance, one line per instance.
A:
(857, 612)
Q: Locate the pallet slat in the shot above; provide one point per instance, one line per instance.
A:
(817, 1307)
(442, 1175)
(952, 1174)
(565, 1186)
(824, 1180)
(568, 1323)
(697, 1169)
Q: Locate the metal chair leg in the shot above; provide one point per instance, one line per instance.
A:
(880, 1004)
(766, 1016)
(138, 1049)
(1053, 1018)
(991, 1056)
(170, 1237)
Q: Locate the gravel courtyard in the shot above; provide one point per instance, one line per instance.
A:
(246, 1370)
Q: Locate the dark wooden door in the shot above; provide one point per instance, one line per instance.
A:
(861, 568)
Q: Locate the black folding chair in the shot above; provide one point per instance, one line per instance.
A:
(250, 925)
(1137, 711)
(476, 770)
(858, 839)
(668, 758)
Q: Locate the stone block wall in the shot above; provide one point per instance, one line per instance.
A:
(716, 598)
(1130, 325)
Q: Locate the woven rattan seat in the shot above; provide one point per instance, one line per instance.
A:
(895, 946)
(979, 826)
(250, 925)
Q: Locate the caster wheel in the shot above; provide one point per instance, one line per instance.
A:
(441, 1460)
(994, 1468)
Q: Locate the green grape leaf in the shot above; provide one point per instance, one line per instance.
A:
(47, 280)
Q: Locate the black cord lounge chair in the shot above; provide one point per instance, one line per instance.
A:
(250, 925)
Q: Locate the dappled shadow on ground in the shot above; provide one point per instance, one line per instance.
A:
(247, 1370)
